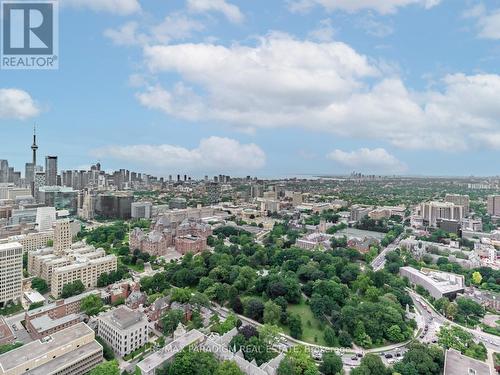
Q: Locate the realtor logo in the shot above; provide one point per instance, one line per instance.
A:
(29, 34)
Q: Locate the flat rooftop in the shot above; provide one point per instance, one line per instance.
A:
(59, 362)
(37, 349)
(156, 359)
(10, 246)
(436, 279)
(45, 322)
(68, 300)
(122, 317)
(456, 363)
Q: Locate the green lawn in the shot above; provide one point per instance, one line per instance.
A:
(309, 332)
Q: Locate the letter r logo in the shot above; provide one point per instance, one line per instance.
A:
(27, 28)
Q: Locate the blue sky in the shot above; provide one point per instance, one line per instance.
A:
(267, 88)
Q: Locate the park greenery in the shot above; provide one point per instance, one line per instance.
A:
(324, 297)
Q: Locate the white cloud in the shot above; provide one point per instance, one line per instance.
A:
(126, 35)
(380, 6)
(376, 160)
(375, 28)
(230, 11)
(280, 71)
(213, 154)
(175, 26)
(324, 32)
(327, 87)
(489, 25)
(18, 104)
(119, 7)
(487, 22)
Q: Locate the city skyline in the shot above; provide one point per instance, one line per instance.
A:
(298, 88)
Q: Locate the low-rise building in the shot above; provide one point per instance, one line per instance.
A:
(123, 329)
(54, 317)
(150, 364)
(362, 244)
(6, 334)
(190, 244)
(438, 284)
(315, 240)
(72, 351)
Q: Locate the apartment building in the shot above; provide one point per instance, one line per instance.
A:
(87, 271)
(433, 212)
(62, 235)
(494, 205)
(31, 241)
(123, 329)
(72, 351)
(11, 272)
(358, 212)
(459, 200)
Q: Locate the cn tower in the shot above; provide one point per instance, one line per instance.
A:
(34, 147)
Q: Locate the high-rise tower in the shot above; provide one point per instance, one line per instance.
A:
(51, 170)
(34, 146)
(31, 168)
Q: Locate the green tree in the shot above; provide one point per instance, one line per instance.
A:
(40, 285)
(91, 304)
(442, 304)
(451, 311)
(394, 333)
(72, 289)
(457, 338)
(469, 311)
(421, 359)
(106, 368)
(297, 361)
(181, 295)
(371, 365)
(189, 362)
(329, 336)
(228, 368)
(107, 351)
(295, 325)
(254, 309)
(171, 320)
(269, 333)
(199, 300)
(331, 364)
(272, 313)
(477, 278)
